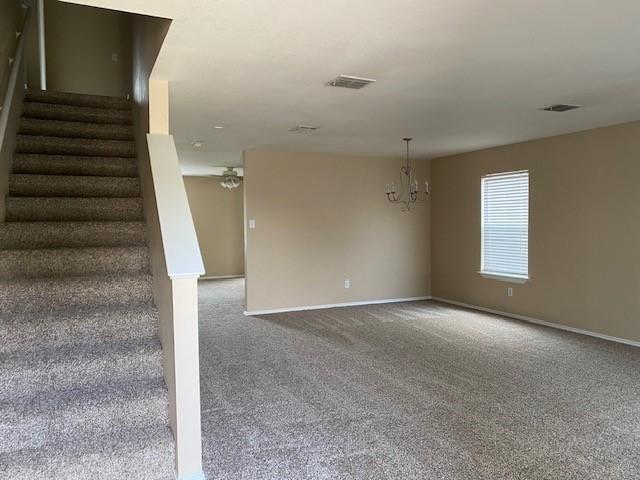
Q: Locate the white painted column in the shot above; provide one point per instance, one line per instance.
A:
(188, 433)
(179, 319)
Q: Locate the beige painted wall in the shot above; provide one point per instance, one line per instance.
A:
(323, 218)
(80, 43)
(218, 217)
(584, 254)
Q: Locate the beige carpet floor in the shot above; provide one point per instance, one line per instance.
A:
(410, 391)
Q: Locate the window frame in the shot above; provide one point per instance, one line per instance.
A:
(503, 276)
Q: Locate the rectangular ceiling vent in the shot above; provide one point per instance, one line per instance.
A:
(560, 107)
(347, 81)
(303, 129)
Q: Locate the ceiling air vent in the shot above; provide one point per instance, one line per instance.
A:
(303, 129)
(561, 107)
(347, 81)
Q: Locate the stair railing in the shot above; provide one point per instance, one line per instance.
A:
(12, 108)
(42, 56)
(11, 80)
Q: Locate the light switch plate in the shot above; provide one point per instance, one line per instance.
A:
(252, 224)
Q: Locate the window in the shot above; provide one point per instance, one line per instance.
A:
(505, 225)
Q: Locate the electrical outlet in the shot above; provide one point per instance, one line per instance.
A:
(115, 57)
(252, 224)
(347, 283)
(509, 292)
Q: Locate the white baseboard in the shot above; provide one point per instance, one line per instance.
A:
(540, 322)
(220, 277)
(516, 316)
(334, 305)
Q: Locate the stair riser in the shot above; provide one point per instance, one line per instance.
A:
(74, 262)
(74, 146)
(74, 165)
(70, 113)
(57, 128)
(71, 234)
(88, 422)
(36, 295)
(63, 98)
(30, 209)
(72, 186)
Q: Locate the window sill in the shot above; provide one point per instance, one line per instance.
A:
(503, 277)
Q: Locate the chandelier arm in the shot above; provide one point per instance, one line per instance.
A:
(397, 196)
(401, 193)
(393, 197)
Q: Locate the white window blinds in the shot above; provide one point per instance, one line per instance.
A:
(505, 224)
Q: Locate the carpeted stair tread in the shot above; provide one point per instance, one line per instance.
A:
(80, 381)
(73, 186)
(29, 235)
(65, 328)
(77, 99)
(82, 392)
(74, 165)
(74, 146)
(134, 453)
(72, 113)
(67, 129)
(40, 294)
(27, 372)
(85, 422)
(30, 209)
(61, 262)
(88, 393)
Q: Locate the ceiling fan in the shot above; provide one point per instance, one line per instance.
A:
(229, 178)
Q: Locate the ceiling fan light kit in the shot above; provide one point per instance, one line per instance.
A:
(230, 179)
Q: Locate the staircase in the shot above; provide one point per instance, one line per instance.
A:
(82, 394)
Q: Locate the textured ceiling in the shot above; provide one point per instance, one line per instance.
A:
(457, 75)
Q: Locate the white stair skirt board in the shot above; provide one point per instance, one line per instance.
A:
(540, 322)
(334, 305)
(220, 277)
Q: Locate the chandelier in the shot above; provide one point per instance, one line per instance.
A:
(230, 178)
(408, 193)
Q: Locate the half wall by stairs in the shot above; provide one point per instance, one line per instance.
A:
(82, 393)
